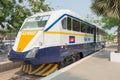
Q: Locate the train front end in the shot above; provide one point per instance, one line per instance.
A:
(29, 42)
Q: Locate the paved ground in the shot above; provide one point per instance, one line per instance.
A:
(3, 57)
(15, 74)
(97, 67)
(8, 74)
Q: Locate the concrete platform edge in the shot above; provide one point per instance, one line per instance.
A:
(8, 65)
(56, 73)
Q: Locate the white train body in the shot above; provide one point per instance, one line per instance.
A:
(54, 39)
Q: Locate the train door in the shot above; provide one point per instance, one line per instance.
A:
(94, 34)
(63, 37)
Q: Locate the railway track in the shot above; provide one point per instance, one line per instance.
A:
(16, 74)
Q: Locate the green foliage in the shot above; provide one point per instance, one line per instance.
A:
(110, 10)
(110, 37)
(5, 9)
(109, 22)
(13, 12)
(18, 16)
(106, 8)
(20, 1)
(39, 5)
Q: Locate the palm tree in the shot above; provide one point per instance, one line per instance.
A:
(110, 8)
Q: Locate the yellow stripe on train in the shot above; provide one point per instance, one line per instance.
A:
(36, 70)
(69, 33)
(25, 38)
(42, 69)
(51, 70)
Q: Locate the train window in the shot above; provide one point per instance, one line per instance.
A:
(64, 23)
(92, 30)
(76, 25)
(36, 22)
(69, 23)
(83, 27)
(80, 27)
(43, 21)
(88, 29)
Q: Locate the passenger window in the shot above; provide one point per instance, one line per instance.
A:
(83, 27)
(69, 23)
(64, 23)
(76, 25)
(88, 29)
(92, 30)
(80, 27)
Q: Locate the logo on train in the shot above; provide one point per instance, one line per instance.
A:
(71, 39)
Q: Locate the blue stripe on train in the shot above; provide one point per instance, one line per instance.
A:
(46, 55)
(52, 54)
(61, 18)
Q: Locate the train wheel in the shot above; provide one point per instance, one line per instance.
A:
(41, 70)
(70, 59)
(65, 62)
(73, 58)
(77, 57)
(62, 64)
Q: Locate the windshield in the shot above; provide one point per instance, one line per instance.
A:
(35, 22)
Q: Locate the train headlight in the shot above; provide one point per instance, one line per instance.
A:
(32, 53)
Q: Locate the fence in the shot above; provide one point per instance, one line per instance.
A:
(7, 36)
(6, 41)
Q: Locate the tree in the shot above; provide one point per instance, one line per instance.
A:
(13, 12)
(110, 37)
(109, 22)
(109, 8)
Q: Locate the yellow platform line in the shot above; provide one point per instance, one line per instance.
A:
(40, 67)
(51, 70)
(39, 73)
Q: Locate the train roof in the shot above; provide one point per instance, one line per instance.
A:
(58, 13)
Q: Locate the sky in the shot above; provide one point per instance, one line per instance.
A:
(82, 7)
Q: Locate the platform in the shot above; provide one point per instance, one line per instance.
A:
(93, 67)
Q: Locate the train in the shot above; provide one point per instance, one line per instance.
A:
(52, 40)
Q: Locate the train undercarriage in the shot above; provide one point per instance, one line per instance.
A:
(46, 69)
